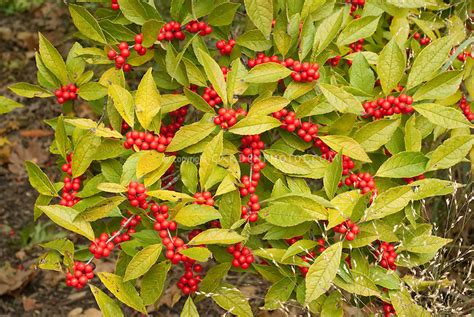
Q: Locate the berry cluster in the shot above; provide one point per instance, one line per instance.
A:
(138, 47)
(328, 154)
(189, 283)
(228, 117)
(412, 179)
(293, 240)
(242, 256)
(137, 195)
(251, 149)
(71, 186)
(303, 72)
(200, 27)
(462, 56)
(388, 310)
(224, 70)
(146, 141)
(124, 127)
(211, 97)
(81, 274)
(388, 106)
(308, 257)
(308, 131)
(466, 109)
(422, 40)
(288, 119)
(363, 181)
(334, 61)
(121, 58)
(66, 93)
(225, 47)
(262, 59)
(204, 198)
(357, 46)
(115, 6)
(386, 255)
(350, 229)
(355, 4)
(101, 247)
(322, 245)
(171, 31)
(250, 212)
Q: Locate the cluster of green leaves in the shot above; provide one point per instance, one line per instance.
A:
(299, 191)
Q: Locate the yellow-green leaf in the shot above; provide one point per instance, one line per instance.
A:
(142, 262)
(124, 291)
(68, 218)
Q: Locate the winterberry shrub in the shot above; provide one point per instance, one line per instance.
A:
(229, 137)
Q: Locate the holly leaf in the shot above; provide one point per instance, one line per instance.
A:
(288, 164)
(39, 180)
(123, 102)
(389, 202)
(231, 299)
(445, 84)
(153, 282)
(358, 29)
(267, 73)
(373, 135)
(123, 291)
(260, 12)
(443, 116)
(69, 219)
(142, 262)
(194, 215)
(332, 176)
(190, 134)
(347, 145)
(403, 165)
(189, 309)
(147, 100)
(52, 59)
(7, 105)
(451, 152)
(209, 158)
(107, 305)
(214, 74)
(200, 254)
(255, 125)
(287, 215)
(391, 66)
(87, 24)
(216, 236)
(340, 99)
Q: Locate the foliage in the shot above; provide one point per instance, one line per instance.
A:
(233, 153)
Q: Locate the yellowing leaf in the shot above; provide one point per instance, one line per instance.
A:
(123, 102)
(124, 291)
(216, 236)
(142, 262)
(347, 145)
(147, 100)
(340, 99)
(107, 305)
(194, 215)
(209, 158)
(190, 134)
(267, 73)
(68, 218)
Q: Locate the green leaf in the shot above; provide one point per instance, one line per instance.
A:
(409, 3)
(443, 116)
(52, 59)
(92, 91)
(361, 75)
(153, 282)
(391, 66)
(358, 29)
(255, 125)
(254, 40)
(190, 134)
(194, 215)
(123, 102)
(149, 162)
(425, 244)
(340, 99)
(403, 165)
(279, 293)
(260, 12)
(299, 247)
(374, 134)
(413, 137)
(445, 84)
(68, 218)
(107, 305)
(200, 254)
(124, 291)
(389, 202)
(230, 209)
(289, 164)
(267, 73)
(214, 74)
(286, 215)
(147, 100)
(138, 11)
(153, 177)
(189, 176)
(168, 195)
(327, 31)
(451, 152)
(84, 153)
(322, 272)
(209, 158)
(223, 14)
(30, 91)
(39, 180)
(297, 89)
(112, 188)
(332, 306)
(428, 61)
(197, 101)
(347, 145)
(216, 236)
(189, 309)
(142, 262)
(332, 176)
(102, 209)
(404, 305)
(213, 278)
(86, 23)
(149, 30)
(7, 105)
(267, 106)
(231, 299)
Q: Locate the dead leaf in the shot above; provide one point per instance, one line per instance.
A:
(31, 152)
(30, 303)
(171, 296)
(20, 255)
(12, 279)
(79, 312)
(35, 133)
(52, 278)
